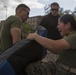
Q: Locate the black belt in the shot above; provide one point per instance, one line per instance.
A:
(65, 67)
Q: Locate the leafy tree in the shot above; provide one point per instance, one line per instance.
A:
(67, 12)
(61, 11)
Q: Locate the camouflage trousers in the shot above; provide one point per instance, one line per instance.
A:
(46, 68)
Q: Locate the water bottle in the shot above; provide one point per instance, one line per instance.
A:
(42, 31)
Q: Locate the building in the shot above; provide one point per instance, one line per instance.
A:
(34, 22)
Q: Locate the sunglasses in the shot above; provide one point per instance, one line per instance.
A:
(54, 9)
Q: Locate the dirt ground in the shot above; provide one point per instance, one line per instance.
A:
(50, 57)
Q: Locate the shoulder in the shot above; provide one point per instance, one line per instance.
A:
(58, 15)
(13, 18)
(71, 36)
(15, 21)
(71, 39)
(45, 17)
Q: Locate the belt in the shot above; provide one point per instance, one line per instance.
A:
(67, 68)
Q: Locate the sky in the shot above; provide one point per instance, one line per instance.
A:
(7, 7)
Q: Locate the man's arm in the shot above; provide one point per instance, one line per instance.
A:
(16, 34)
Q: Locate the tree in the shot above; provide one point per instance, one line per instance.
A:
(67, 12)
(74, 12)
(47, 9)
(61, 11)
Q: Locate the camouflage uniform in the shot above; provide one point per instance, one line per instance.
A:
(46, 68)
(40, 68)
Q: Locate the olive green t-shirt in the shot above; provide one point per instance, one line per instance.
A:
(6, 38)
(68, 57)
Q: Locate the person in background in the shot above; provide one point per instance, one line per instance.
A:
(50, 22)
(11, 32)
(65, 47)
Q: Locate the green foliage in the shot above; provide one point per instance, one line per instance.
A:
(26, 30)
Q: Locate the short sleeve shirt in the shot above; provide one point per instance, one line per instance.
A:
(68, 57)
(6, 38)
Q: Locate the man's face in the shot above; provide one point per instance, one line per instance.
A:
(25, 14)
(54, 10)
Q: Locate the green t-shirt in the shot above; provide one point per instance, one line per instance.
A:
(6, 38)
(68, 57)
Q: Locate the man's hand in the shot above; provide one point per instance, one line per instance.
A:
(32, 36)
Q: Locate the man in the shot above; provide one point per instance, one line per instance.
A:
(50, 22)
(13, 60)
(12, 28)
